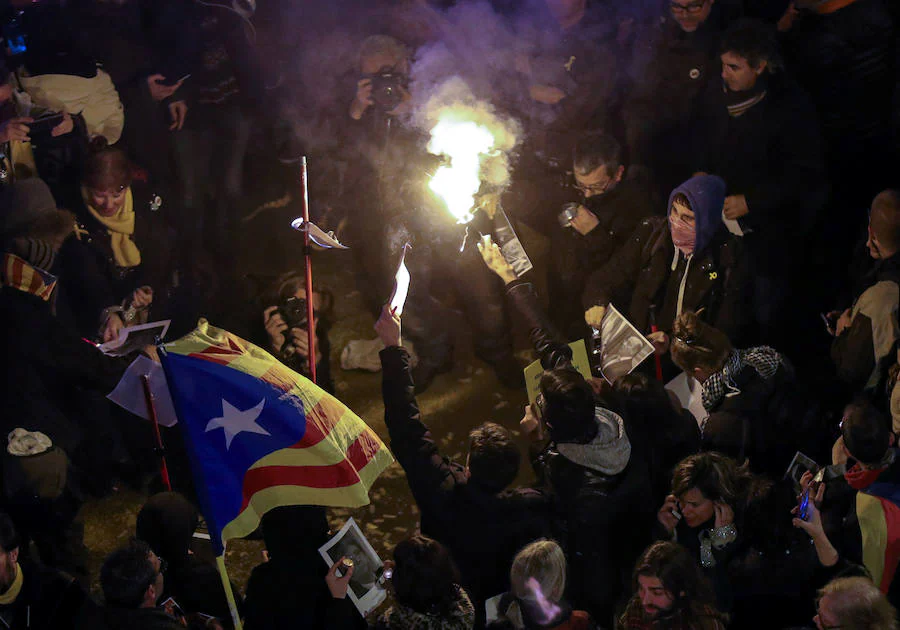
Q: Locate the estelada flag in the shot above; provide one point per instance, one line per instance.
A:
(260, 436)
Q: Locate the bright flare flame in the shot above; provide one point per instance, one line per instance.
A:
(465, 143)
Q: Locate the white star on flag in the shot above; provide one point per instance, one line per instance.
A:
(235, 421)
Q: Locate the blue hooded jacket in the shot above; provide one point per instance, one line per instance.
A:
(706, 194)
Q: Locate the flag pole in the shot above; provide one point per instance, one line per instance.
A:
(307, 254)
(229, 594)
(151, 411)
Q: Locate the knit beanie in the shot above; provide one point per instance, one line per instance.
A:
(23, 203)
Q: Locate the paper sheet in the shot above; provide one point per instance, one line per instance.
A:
(733, 226)
(134, 338)
(690, 395)
(401, 284)
(623, 347)
(366, 586)
(534, 370)
(129, 393)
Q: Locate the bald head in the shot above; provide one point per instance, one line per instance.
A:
(884, 225)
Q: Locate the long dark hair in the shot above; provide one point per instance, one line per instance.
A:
(425, 576)
(676, 569)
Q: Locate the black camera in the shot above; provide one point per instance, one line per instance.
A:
(293, 311)
(387, 90)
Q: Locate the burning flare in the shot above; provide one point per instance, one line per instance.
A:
(465, 143)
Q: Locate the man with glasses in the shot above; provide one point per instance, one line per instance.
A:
(132, 581)
(610, 210)
(865, 333)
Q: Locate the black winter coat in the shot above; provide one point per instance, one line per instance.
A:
(640, 275)
(772, 154)
(482, 527)
(844, 61)
(49, 600)
(90, 280)
(44, 361)
(765, 422)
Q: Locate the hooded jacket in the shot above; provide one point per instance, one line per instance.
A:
(600, 492)
(649, 271)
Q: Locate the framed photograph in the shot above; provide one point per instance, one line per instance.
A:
(366, 588)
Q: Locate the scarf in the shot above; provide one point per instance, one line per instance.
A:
(830, 6)
(401, 617)
(18, 274)
(15, 588)
(121, 228)
(738, 103)
(684, 236)
(764, 360)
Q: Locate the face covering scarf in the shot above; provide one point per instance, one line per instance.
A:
(683, 235)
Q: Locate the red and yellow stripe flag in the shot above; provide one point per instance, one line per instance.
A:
(261, 436)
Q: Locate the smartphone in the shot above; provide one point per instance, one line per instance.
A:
(44, 124)
(804, 503)
(829, 325)
(169, 82)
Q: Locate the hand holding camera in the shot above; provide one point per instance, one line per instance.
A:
(363, 100)
(579, 218)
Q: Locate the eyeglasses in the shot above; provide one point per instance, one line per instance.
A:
(693, 7)
(163, 565)
(592, 189)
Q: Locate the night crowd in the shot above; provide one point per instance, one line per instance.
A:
(723, 173)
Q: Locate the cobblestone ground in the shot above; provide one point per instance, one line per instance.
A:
(455, 403)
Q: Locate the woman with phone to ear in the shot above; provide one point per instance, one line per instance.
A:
(738, 527)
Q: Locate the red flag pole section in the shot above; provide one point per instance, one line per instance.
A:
(307, 251)
(151, 411)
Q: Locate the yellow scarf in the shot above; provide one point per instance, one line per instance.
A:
(12, 592)
(120, 227)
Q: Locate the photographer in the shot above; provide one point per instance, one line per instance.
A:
(286, 326)
(387, 202)
(594, 229)
(384, 62)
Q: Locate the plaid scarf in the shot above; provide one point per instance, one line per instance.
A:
(764, 360)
